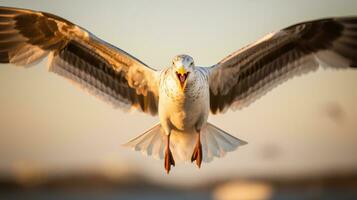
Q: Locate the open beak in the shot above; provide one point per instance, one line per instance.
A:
(182, 77)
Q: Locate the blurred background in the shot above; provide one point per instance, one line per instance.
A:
(58, 142)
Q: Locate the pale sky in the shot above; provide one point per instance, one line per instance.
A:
(305, 126)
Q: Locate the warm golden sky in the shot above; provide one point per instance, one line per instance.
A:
(304, 126)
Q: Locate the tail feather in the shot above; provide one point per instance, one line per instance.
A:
(150, 143)
(215, 143)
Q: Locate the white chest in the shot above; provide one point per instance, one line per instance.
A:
(184, 109)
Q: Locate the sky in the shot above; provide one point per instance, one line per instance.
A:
(306, 126)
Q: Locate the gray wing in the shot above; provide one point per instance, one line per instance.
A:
(26, 37)
(249, 73)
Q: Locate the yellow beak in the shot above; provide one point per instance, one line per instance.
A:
(181, 71)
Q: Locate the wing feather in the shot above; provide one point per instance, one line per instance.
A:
(249, 73)
(26, 37)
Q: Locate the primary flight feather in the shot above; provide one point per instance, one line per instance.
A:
(183, 94)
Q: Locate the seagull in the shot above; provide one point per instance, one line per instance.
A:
(183, 94)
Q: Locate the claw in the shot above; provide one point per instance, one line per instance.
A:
(197, 152)
(169, 159)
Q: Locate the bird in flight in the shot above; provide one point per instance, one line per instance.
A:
(184, 94)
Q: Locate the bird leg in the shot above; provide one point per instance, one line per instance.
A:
(197, 152)
(169, 160)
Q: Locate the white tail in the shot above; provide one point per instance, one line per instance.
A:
(215, 143)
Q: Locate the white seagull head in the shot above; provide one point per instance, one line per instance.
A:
(183, 65)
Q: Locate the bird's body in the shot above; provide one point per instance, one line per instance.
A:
(185, 111)
(183, 95)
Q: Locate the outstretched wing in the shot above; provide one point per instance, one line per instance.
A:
(249, 73)
(26, 37)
